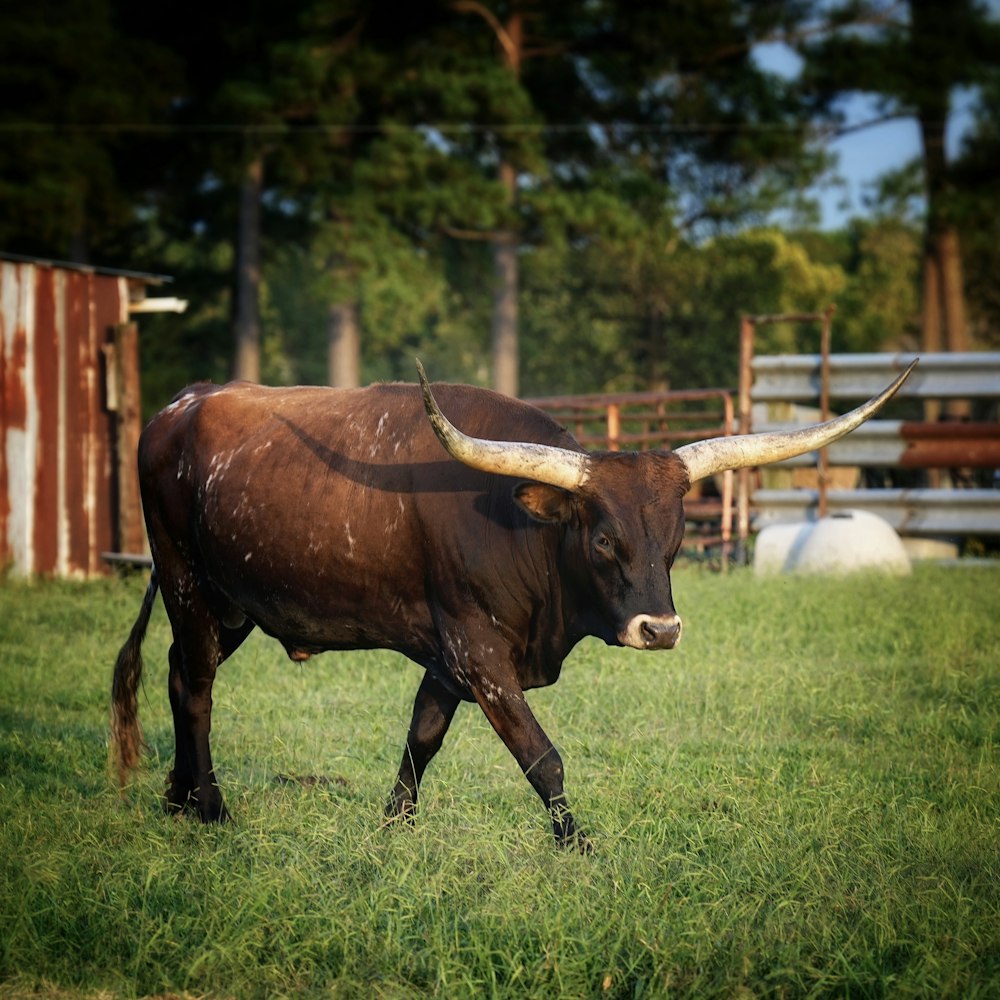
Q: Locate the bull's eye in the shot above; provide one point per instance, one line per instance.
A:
(603, 544)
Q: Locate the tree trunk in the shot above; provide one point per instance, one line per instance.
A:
(505, 243)
(344, 340)
(246, 322)
(510, 36)
(942, 234)
(930, 319)
(946, 308)
(952, 289)
(944, 323)
(956, 335)
(505, 339)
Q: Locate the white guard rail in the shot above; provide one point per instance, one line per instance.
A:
(888, 443)
(796, 377)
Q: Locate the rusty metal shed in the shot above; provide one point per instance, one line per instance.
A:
(69, 415)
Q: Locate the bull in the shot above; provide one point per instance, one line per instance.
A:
(333, 519)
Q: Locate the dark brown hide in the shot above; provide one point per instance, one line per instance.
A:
(333, 519)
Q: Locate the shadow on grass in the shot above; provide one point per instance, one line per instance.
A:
(44, 756)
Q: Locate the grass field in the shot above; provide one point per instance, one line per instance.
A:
(802, 800)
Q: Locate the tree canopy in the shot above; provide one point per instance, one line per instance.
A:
(615, 171)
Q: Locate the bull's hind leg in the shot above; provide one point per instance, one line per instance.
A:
(201, 643)
(433, 710)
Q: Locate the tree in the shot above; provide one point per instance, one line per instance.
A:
(365, 167)
(510, 36)
(878, 308)
(76, 91)
(246, 86)
(913, 56)
(611, 101)
(659, 320)
(977, 207)
(681, 94)
(369, 190)
(485, 51)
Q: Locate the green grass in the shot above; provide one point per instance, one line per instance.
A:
(802, 800)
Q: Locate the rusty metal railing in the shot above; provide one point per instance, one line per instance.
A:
(644, 420)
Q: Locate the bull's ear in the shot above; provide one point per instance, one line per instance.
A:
(543, 502)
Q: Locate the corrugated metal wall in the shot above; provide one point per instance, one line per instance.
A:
(58, 472)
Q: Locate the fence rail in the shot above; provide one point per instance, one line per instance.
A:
(643, 420)
(918, 512)
(667, 419)
(908, 444)
(797, 377)
(886, 444)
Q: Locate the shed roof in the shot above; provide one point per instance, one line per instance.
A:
(144, 277)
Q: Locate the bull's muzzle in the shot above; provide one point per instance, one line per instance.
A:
(652, 632)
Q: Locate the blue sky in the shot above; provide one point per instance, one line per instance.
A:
(867, 154)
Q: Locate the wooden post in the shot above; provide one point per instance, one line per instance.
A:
(727, 488)
(743, 402)
(506, 270)
(124, 398)
(343, 346)
(246, 321)
(614, 426)
(824, 404)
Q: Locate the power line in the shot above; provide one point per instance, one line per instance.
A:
(817, 132)
(226, 128)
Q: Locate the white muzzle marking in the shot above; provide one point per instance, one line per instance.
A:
(651, 632)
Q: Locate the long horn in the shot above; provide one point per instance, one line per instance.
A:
(705, 458)
(543, 463)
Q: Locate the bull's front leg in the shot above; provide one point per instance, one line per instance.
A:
(509, 714)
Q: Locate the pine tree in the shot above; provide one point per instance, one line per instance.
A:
(914, 56)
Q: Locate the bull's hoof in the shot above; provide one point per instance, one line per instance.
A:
(180, 798)
(214, 814)
(401, 804)
(177, 795)
(400, 810)
(568, 835)
(577, 841)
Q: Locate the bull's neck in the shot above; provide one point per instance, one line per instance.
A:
(547, 632)
(572, 612)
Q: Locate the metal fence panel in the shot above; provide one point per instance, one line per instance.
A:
(910, 512)
(796, 377)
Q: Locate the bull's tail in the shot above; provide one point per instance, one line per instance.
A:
(126, 733)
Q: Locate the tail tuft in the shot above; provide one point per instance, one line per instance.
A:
(126, 733)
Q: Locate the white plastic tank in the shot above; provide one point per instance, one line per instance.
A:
(840, 543)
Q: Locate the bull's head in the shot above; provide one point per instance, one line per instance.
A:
(627, 507)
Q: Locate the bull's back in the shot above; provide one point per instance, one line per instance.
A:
(330, 512)
(372, 431)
